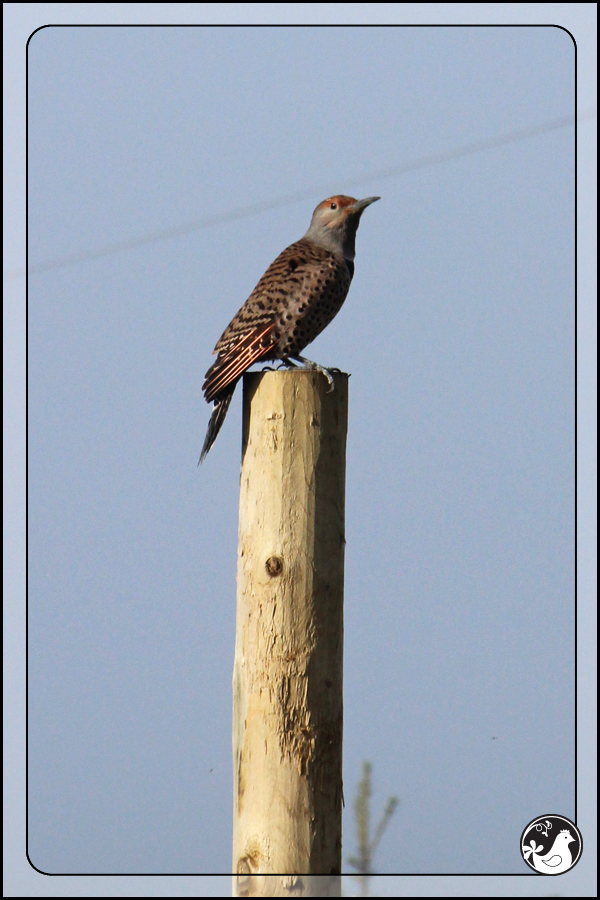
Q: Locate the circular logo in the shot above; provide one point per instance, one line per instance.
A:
(551, 844)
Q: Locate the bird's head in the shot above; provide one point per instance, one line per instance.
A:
(566, 835)
(335, 222)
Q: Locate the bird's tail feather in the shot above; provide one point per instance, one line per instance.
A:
(216, 420)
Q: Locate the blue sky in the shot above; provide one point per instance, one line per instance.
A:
(459, 335)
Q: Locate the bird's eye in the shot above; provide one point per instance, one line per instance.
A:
(334, 206)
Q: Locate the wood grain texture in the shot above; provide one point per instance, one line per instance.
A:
(287, 682)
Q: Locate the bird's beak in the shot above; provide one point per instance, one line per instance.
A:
(362, 204)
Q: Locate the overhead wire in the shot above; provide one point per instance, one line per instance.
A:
(254, 209)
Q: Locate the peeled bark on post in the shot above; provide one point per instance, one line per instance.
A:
(287, 679)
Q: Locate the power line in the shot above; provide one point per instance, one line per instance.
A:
(244, 212)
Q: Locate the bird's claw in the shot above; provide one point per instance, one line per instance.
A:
(315, 367)
(327, 373)
(330, 373)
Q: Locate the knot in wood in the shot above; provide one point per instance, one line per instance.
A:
(274, 566)
(244, 878)
(242, 867)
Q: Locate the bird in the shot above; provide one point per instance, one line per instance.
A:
(557, 860)
(296, 298)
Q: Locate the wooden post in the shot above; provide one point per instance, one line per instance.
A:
(287, 678)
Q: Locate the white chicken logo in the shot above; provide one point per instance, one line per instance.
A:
(560, 857)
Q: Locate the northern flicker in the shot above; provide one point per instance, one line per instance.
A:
(296, 298)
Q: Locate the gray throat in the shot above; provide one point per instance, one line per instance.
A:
(340, 241)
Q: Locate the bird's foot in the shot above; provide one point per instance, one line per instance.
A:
(267, 369)
(315, 367)
(287, 364)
